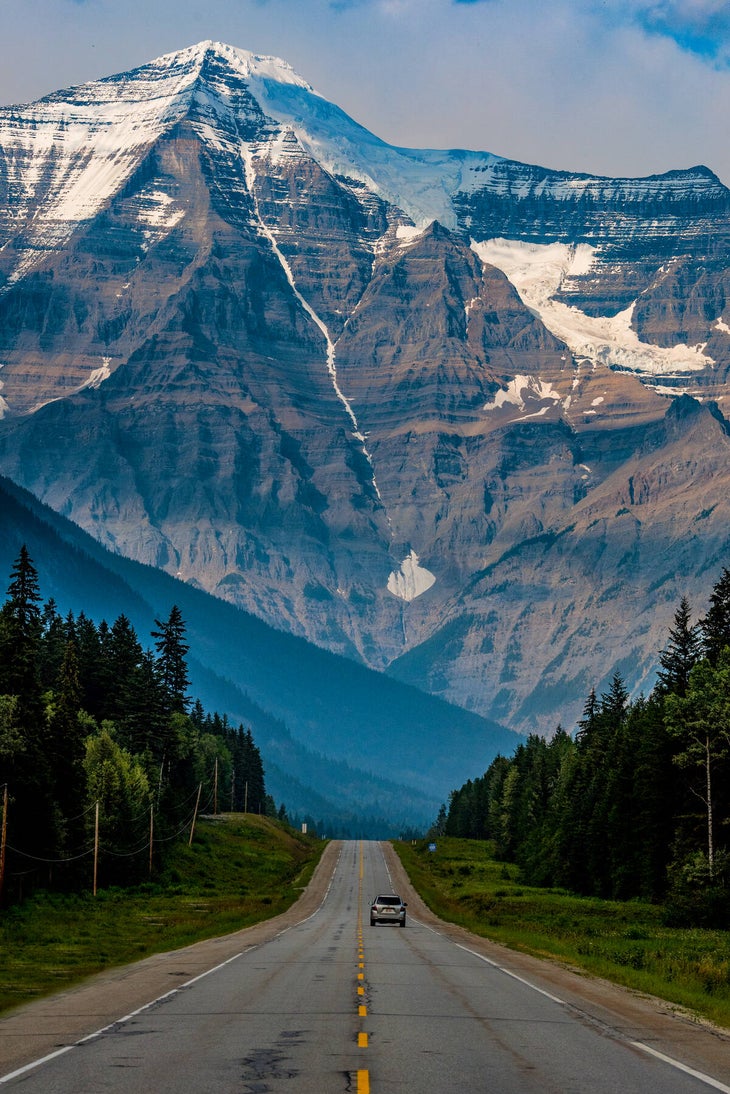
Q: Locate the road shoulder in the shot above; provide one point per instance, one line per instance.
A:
(37, 1029)
(621, 1013)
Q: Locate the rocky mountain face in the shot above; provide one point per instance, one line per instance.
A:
(303, 704)
(453, 416)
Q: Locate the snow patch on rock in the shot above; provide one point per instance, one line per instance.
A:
(520, 391)
(411, 580)
(98, 375)
(538, 270)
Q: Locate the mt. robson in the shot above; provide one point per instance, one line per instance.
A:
(456, 417)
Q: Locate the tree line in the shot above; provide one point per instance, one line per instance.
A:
(90, 717)
(634, 804)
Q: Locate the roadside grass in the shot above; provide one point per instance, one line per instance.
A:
(624, 942)
(240, 869)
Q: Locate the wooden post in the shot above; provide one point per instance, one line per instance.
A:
(3, 838)
(215, 789)
(96, 845)
(710, 838)
(152, 833)
(245, 797)
(195, 816)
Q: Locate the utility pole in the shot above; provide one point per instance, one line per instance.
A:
(152, 833)
(195, 816)
(215, 789)
(96, 845)
(245, 797)
(3, 838)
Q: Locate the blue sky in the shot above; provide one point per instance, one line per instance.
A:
(616, 87)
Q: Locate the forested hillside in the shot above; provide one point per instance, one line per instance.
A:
(103, 754)
(637, 803)
(302, 703)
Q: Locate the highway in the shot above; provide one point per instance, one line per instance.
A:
(330, 1005)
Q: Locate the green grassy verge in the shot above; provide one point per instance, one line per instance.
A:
(622, 942)
(239, 871)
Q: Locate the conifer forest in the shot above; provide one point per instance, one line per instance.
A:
(635, 804)
(104, 757)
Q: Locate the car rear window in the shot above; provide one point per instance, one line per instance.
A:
(388, 900)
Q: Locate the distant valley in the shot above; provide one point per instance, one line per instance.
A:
(341, 744)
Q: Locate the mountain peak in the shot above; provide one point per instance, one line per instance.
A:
(243, 61)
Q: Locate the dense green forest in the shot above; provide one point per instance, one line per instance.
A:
(104, 757)
(637, 803)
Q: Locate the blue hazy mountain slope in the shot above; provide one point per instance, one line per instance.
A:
(339, 740)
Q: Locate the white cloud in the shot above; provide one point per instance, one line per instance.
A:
(606, 86)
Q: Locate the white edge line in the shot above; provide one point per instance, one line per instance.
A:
(117, 1022)
(707, 1079)
(316, 910)
(700, 1075)
(507, 972)
(160, 999)
(36, 1063)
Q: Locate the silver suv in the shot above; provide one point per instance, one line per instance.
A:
(388, 909)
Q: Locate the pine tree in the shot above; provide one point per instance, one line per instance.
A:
(682, 653)
(92, 671)
(614, 702)
(53, 644)
(590, 713)
(66, 751)
(122, 654)
(715, 626)
(20, 635)
(34, 817)
(171, 652)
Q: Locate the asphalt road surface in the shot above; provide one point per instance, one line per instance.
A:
(329, 1005)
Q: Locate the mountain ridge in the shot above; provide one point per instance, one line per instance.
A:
(261, 362)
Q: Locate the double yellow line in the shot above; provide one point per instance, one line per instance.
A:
(363, 1075)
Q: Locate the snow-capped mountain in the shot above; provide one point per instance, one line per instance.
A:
(425, 408)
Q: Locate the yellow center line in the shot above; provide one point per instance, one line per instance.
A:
(363, 1075)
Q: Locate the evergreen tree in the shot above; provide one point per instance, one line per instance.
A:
(53, 645)
(93, 678)
(614, 702)
(123, 655)
(33, 820)
(590, 713)
(20, 636)
(144, 724)
(66, 750)
(171, 652)
(682, 653)
(656, 800)
(715, 627)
